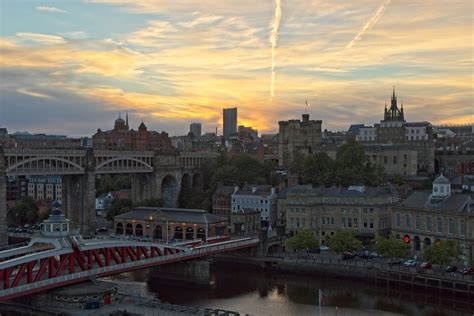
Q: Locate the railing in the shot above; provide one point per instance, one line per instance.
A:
(386, 267)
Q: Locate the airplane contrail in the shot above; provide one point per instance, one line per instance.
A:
(377, 15)
(274, 40)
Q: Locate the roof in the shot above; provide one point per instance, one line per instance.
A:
(246, 211)
(183, 215)
(354, 128)
(334, 191)
(226, 189)
(424, 200)
(441, 180)
(261, 189)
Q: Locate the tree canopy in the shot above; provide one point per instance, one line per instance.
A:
(303, 240)
(111, 182)
(391, 247)
(344, 240)
(441, 252)
(24, 212)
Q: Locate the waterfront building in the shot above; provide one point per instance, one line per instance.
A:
(245, 222)
(16, 188)
(427, 216)
(261, 198)
(222, 200)
(394, 130)
(170, 223)
(297, 136)
(230, 122)
(365, 210)
(121, 137)
(195, 129)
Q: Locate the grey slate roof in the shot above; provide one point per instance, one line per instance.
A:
(338, 192)
(262, 189)
(441, 180)
(453, 203)
(173, 214)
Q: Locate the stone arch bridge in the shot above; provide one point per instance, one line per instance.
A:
(153, 175)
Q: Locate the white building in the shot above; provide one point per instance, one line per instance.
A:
(262, 198)
(49, 188)
(103, 202)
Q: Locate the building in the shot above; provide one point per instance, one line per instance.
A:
(247, 133)
(261, 198)
(394, 130)
(245, 222)
(103, 202)
(365, 210)
(222, 201)
(170, 223)
(195, 129)
(427, 216)
(394, 158)
(297, 136)
(230, 121)
(45, 187)
(121, 137)
(16, 188)
(40, 141)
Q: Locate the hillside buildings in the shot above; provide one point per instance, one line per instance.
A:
(261, 198)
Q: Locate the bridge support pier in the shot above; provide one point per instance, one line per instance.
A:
(143, 187)
(3, 201)
(79, 201)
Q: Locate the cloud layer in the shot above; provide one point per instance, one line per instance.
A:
(175, 62)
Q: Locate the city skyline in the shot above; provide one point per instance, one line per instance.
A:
(70, 67)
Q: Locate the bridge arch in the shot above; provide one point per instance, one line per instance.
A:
(189, 233)
(169, 191)
(129, 163)
(178, 233)
(158, 233)
(201, 233)
(417, 243)
(197, 182)
(129, 229)
(48, 164)
(139, 230)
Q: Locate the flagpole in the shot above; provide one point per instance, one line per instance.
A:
(319, 302)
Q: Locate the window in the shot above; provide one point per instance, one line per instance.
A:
(407, 221)
(385, 159)
(463, 228)
(371, 223)
(394, 159)
(349, 222)
(303, 222)
(428, 223)
(343, 221)
(418, 222)
(365, 222)
(355, 223)
(450, 226)
(324, 220)
(440, 225)
(398, 220)
(332, 220)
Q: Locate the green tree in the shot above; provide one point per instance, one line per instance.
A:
(150, 203)
(318, 169)
(391, 247)
(112, 182)
(344, 240)
(24, 212)
(119, 207)
(441, 252)
(304, 240)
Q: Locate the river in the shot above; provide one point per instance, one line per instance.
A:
(259, 293)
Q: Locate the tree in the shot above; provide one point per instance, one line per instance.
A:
(24, 212)
(318, 169)
(150, 203)
(344, 240)
(119, 207)
(391, 247)
(111, 182)
(303, 240)
(441, 252)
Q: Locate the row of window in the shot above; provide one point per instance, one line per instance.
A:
(296, 222)
(452, 224)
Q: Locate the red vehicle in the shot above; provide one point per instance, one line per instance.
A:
(468, 271)
(348, 255)
(425, 265)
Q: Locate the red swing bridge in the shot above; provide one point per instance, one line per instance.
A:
(55, 257)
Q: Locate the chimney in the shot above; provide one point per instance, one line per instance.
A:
(254, 189)
(236, 189)
(305, 118)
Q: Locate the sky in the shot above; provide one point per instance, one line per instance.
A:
(70, 66)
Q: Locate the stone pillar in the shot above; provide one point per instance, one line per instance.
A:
(3, 201)
(88, 218)
(71, 204)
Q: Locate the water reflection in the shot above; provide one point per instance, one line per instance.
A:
(259, 293)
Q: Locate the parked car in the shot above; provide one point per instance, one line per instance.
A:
(451, 269)
(395, 261)
(368, 254)
(346, 255)
(410, 263)
(324, 248)
(426, 265)
(468, 271)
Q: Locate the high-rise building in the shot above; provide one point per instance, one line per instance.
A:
(195, 129)
(230, 121)
(297, 136)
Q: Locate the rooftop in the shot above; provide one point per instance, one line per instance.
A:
(183, 215)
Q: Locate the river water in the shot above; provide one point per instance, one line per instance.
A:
(259, 293)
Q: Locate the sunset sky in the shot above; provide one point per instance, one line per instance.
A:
(70, 66)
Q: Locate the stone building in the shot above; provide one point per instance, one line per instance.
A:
(365, 210)
(170, 223)
(45, 187)
(297, 136)
(262, 198)
(395, 159)
(394, 130)
(121, 137)
(245, 222)
(427, 216)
